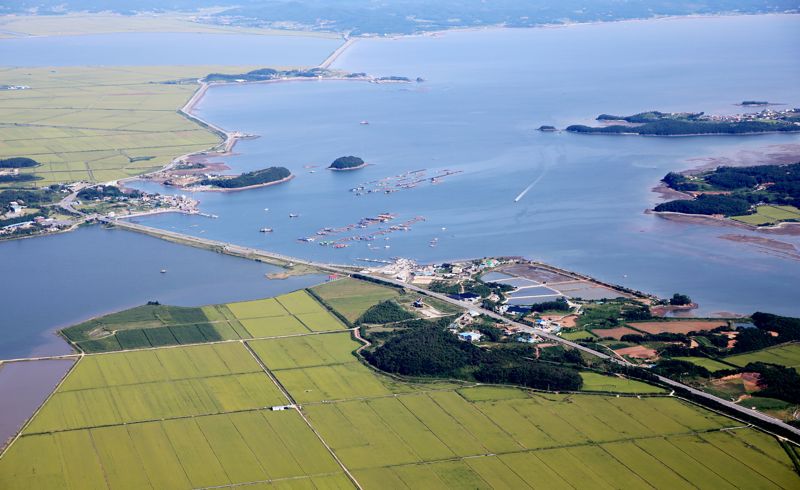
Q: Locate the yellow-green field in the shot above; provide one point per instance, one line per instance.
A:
(705, 362)
(783, 355)
(182, 417)
(767, 214)
(99, 124)
(601, 382)
(351, 297)
(161, 325)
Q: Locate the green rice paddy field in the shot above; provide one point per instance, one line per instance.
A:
(160, 325)
(783, 355)
(768, 214)
(198, 416)
(99, 124)
(705, 362)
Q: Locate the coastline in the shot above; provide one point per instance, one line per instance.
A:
(783, 228)
(756, 133)
(573, 24)
(236, 189)
(358, 167)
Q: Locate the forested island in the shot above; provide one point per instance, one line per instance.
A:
(267, 176)
(759, 195)
(18, 162)
(655, 123)
(347, 163)
(264, 74)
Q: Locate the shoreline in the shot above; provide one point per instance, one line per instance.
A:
(782, 228)
(573, 24)
(756, 133)
(358, 167)
(236, 189)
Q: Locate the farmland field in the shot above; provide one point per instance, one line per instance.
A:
(351, 297)
(705, 362)
(197, 416)
(600, 382)
(162, 325)
(99, 124)
(784, 355)
(768, 214)
(678, 326)
(616, 333)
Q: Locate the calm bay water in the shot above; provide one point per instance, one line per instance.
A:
(60, 280)
(24, 386)
(159, 49)
(484, 95)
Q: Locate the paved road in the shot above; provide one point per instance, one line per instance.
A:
(347, 270)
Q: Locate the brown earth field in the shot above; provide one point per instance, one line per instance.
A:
(680, 326)
(637, 351)
(616, 333)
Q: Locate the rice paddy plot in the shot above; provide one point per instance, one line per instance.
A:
(334, 382)
(306, 351)
(321, 321)
(615, 384)
(154, 401)
(273, 326)
(226, 449)
(351, 297)
(268, 307)
(300, 302)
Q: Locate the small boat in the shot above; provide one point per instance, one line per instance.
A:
(266, 209)
(265, 230)
(364, 122)
(294, 215)
(163, 271)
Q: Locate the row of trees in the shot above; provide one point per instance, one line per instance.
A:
(431, 350)
(708, 204)
(385, 312)
(17, 162)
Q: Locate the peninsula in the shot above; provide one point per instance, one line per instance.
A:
(763, 195)
(655, 123)
(247, 180)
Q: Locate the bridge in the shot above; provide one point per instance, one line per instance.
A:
(258, 254)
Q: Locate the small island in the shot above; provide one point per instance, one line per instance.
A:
(347, 163)
(655, 123)
(762, 195)
(547, 128)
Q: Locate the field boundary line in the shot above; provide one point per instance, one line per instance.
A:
(302, 415)
(39, 408)
(194, 344)
(746, 423)
(744, 463)
(273, 480)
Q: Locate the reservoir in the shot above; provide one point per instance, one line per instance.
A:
(485, 93)
(60, 280)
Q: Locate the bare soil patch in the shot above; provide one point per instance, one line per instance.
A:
(680, 326)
